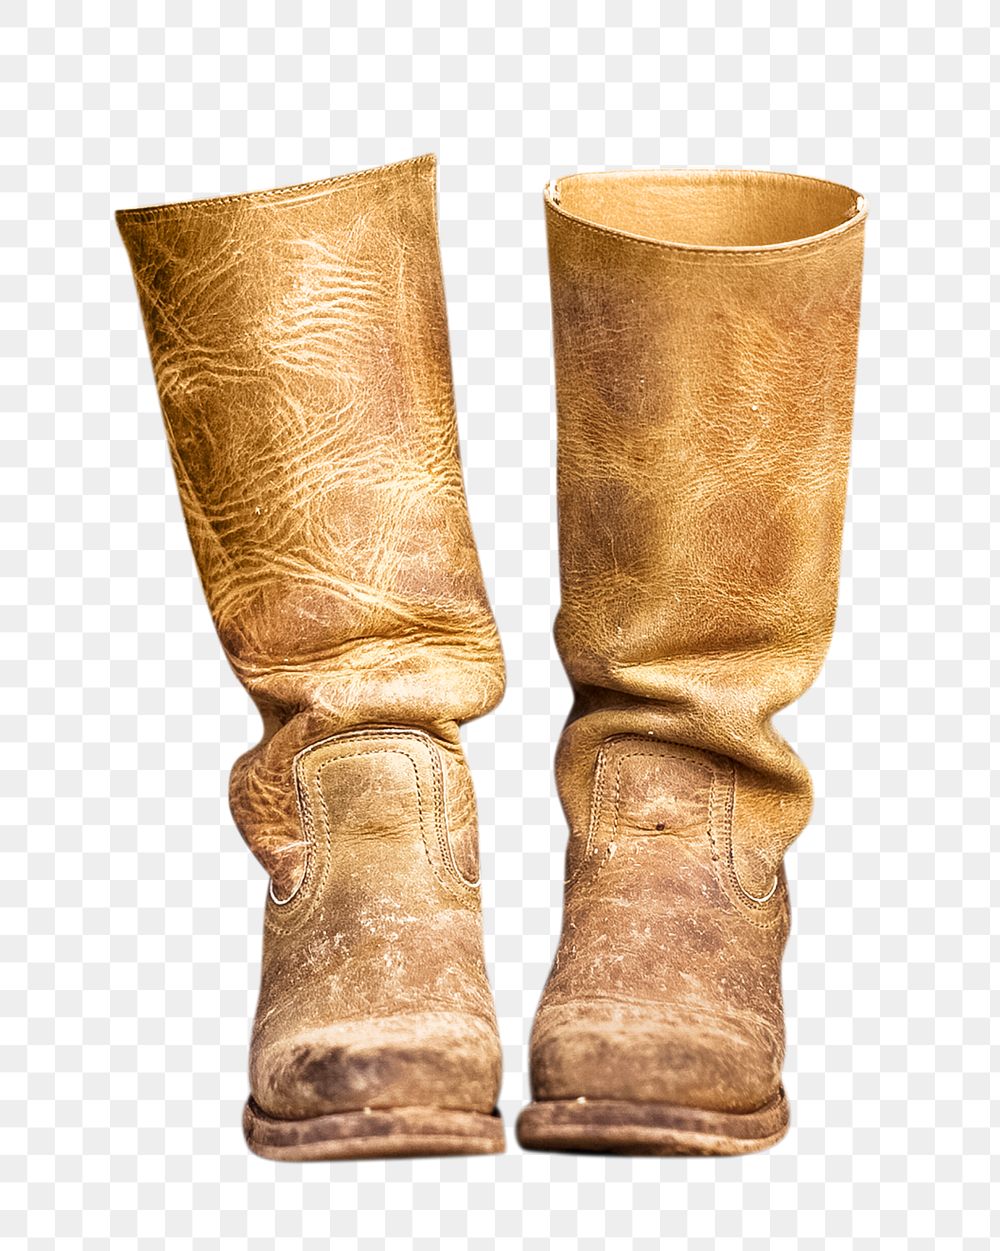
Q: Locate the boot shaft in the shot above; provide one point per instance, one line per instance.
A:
(705, 329)
(705, 336)
(300, 347)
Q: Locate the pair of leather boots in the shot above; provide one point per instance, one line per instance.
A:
(705, 329)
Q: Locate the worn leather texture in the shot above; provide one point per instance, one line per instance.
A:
(300, 349)
(705, 329)
(373, 986)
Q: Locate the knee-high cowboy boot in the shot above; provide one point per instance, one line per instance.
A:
(300, 349)
(705, 337)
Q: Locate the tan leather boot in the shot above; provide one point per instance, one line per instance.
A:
(300, 348)
(705, 338)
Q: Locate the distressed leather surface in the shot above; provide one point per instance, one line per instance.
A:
(705, 328)
(300, 348)
(373, 987)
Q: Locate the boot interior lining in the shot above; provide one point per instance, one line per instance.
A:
(710, 208)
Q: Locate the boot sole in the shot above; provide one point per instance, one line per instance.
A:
(620, 1127)
(376, 1133)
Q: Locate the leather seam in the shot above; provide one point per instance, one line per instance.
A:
(751, 900)
(297, 191)
(441, 826)
(595, 808)
(695, 254)
(307, 826)
(398, 751)
(741, 898)
(380, 742)
(750, 907)
(723, 861)
(703, 174)
(652, 755)
(290, 907)
(598, 801)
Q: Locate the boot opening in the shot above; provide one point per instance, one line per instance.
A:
(716, 209)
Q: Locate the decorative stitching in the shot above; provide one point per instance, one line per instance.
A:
(399, 751)
(374, 743)
(291, 907)
(654, 755)
(696, 254)
(420, 813)
(706, 172)
(442, 824)
(751, 900)
(595, 807)
(306, 823)
(617, 793)
(712, 792)
(598, 798)
(749, 905)
(296, 191)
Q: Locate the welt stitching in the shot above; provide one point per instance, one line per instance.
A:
(152, 211)
(696, 255)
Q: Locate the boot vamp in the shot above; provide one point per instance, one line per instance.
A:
(377, 1007)
(373, 987)
(666, 985)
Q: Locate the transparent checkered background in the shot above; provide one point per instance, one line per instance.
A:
(130, 909)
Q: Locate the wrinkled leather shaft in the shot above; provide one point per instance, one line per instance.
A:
(300, 349)
(705, 330)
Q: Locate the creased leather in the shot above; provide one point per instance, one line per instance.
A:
(373, 986)
(705, 329)
(300, 349)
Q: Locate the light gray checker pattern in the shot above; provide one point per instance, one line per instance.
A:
(131, 911)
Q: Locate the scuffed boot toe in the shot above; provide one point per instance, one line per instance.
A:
(431, 1060)
(639, 1079)
(654, 1054)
